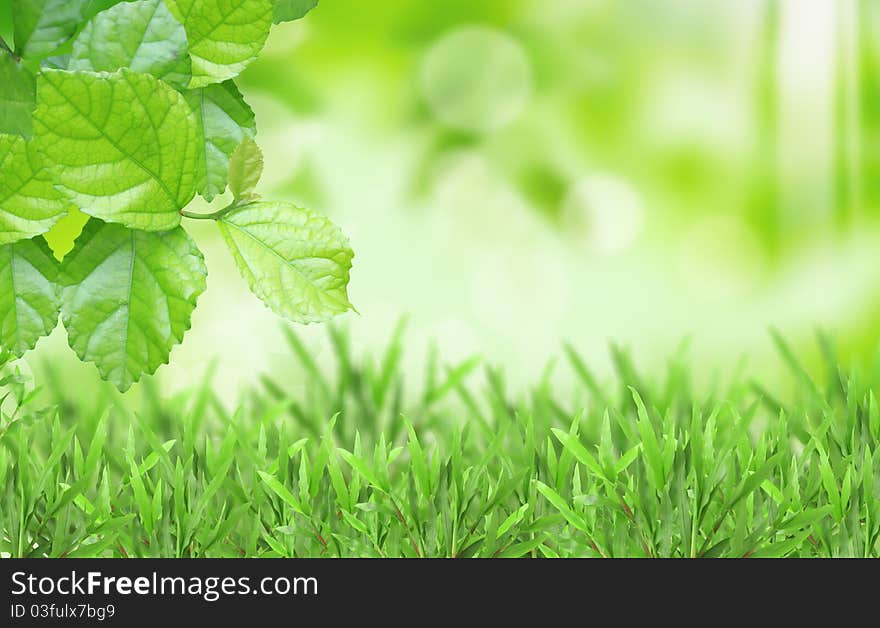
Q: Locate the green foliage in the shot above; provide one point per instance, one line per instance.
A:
(29, 203)
(128, 297)
(29, 303)
(225, 121)
(288, 10)
(84, 127)
(43, 25)
(224, 35)
(142, 36)
(117, 114)
(17, 99)
(294, 259)
(350, 466)
(245, 170)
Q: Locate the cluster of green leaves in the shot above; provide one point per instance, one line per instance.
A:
(350, 467)
(113, 117)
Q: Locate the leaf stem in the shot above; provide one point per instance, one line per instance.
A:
(217, 215)
(210, 216)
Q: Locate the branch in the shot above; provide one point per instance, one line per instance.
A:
(195, 216)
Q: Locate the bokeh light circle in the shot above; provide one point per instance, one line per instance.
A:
(476, 79)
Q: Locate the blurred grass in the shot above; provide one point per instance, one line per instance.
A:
(459, 466)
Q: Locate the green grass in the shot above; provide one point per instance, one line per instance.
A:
(356, 467)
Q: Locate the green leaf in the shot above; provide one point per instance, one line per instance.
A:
(225, 120)
(143, 502)
(128, 297)
(514, 518)
(519, 550)
(224, 35)
(574, 446)
(455, 378)
(419, 460)
(7, 29)
(560, 504)
(364, 469)
(627, 459)
(289, 10)
(124, 145)
(781, 549)
(93, 7)
(805, 519)
(650, 446)
(281, 491)
(29, 203)
(43, 25)
(294, 259)
(17, 98)
(773, 491)
(829, 482)
(29, 300)
(750, 483)
(245, 169)
(868, 480)
(142, 36)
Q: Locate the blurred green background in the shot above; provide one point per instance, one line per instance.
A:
(514, 174)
